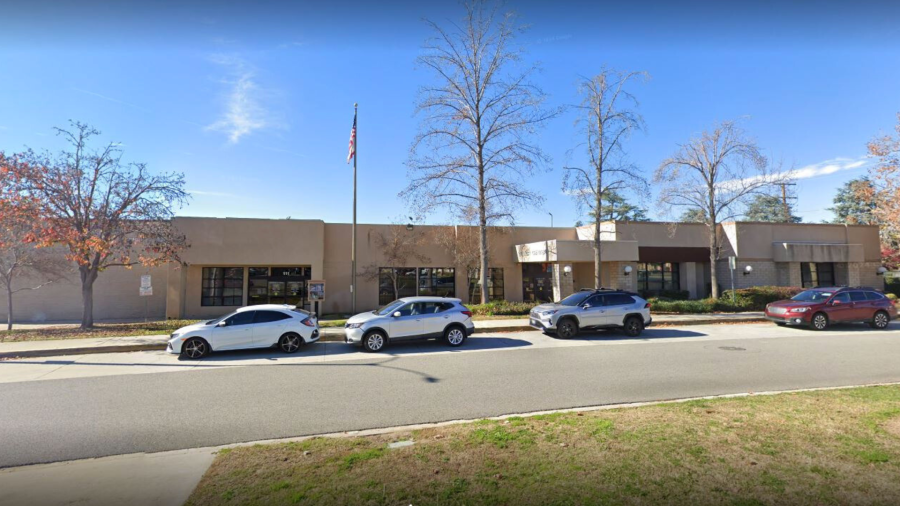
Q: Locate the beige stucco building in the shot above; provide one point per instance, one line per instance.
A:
(233, 262)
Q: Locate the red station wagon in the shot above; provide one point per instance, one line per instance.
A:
(820, 307)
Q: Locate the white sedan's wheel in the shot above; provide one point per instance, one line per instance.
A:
(194, 348)
(290, 342)
(374, 341)
(455, 336)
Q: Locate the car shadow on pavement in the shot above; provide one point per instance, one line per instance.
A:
(646, 335)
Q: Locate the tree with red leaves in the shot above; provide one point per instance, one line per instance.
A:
(885, 188)
(23, 265)
(103, 211)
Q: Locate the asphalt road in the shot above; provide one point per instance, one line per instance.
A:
(81, 417)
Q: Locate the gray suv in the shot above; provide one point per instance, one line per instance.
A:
(593, 309)
(411, 318)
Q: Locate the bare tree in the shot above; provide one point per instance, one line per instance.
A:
(105, 212)
(399, 246)
(608, 118)
(714, 175)
(463, 248)
(473, 150)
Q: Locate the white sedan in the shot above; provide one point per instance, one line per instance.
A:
(262, 326)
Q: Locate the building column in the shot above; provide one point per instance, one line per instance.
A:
(176, 277)
(853, 274)
(689, 280)
(794, 274)
(563, 284)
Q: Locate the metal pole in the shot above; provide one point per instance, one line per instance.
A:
(551, 219)
(353, 232)
(733, 302)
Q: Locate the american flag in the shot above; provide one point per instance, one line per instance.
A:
(352, 149)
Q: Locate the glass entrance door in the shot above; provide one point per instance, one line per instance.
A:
(537, 282)
(279, 285)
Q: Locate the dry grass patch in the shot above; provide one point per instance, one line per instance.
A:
(830, 447)
(99, 330)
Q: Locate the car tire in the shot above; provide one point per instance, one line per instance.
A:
(290, 342)
(455, 336)
(819, 321)
(880, 320)
(374, 341)
(566, 328)
(633, 326)
(195, 348)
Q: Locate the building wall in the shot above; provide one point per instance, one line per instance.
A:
(116, 296)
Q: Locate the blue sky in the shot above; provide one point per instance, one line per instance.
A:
(253, 101)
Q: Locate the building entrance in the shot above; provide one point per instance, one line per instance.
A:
(537, 282)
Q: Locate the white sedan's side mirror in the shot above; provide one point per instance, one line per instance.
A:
(397, 314)
(222, 323)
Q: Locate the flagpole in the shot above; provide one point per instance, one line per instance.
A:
(353, 232)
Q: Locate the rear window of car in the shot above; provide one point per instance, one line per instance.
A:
(857, 296)
(270, 316)
(874, 296)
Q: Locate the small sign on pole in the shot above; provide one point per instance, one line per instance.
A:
(732, 264)
(316, 294)
(146, 281)
(146, 291)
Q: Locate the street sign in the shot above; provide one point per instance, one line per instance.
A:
(316, 290)
(146, 291)
(732, 263)
(145, 281)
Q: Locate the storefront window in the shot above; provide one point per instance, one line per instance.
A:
(495, 285)
(222, 286)
(437, 281)
(395, 283)
(813, 275)
(654, 278)
(278, 285)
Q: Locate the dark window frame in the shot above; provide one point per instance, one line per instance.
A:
(496, 285)
(669, 277)
(816, 274)
(219, 286)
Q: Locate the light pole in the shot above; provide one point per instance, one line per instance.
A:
(551, 219)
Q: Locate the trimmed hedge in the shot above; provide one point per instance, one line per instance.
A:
(502, 308)
(745, 299)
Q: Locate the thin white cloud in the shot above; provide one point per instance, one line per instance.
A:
(244, 112)
(827, 167)
(211, 194)
(110, 99)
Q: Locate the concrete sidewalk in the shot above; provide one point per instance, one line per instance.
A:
(50, 348)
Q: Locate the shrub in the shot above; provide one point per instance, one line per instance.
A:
(666, 294)
(745, 299)
(891, 296)
(501, 308)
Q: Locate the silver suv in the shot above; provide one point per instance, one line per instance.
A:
(593, 309)
(411, 318)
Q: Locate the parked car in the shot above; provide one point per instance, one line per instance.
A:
(263, 326)
(408, 319)
(820, 307)
(593, 309)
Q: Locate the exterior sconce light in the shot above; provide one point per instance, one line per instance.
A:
(748, 269)
(881, 270)
(627, 270)
(409, 226)
(567, 270)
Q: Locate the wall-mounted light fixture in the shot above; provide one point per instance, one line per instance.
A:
(881, 270)
(748, 269)
(567, 270)
(627, 270)
(409, 226)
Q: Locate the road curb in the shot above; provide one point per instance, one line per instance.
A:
(327, 336)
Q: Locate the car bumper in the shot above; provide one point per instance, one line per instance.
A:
(542, 325)
(313, 337)
(174, 346)
(787, 319)
(470, 330)
(353, 336)
(648, 322)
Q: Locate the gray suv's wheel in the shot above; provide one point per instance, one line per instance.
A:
(455, 336)
(374, 341)
(566, 328)
(290, 342)
(880, 320)
(633, 326)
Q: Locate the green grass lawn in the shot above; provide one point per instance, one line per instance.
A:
(831, 447)
(99, 330)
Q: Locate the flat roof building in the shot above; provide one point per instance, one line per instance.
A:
(233, 262)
